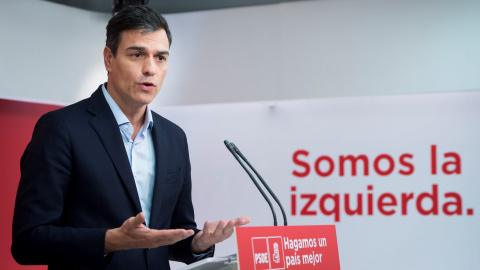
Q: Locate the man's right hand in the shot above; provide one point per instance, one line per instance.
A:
(134, 234)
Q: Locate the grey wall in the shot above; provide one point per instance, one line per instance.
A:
(50, 52)
(298, 50)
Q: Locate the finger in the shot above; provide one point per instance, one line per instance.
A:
(228, 230)
(139, 219)
(169, 237)
(177, 234)
(219, 229)
(206, 225)
(134, 222)
(229, 224)
(185, 233)
(241, 221)
(209, 228)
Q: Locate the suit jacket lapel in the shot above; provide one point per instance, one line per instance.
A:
(107, 129)
(161, 159)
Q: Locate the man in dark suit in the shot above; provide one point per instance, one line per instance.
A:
(106, 182)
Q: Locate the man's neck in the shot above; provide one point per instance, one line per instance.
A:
(135, 115)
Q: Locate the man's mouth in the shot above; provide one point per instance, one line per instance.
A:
(147, 86)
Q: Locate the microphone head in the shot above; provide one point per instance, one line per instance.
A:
(228, 145)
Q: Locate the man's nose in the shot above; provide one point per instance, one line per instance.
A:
(149, 67)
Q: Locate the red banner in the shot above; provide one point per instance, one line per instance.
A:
(17, 119)
(287, 247)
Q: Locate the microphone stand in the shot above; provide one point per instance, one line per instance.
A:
(236, 153)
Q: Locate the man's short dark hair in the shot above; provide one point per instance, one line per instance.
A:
(134, 18)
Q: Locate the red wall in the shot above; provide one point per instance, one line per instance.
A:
(17, 120)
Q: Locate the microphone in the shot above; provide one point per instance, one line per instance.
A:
(263, 182)
(230, 148)
(236, 153)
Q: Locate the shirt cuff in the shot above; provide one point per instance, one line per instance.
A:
(207, 253)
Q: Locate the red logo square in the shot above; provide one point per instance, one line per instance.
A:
(275, 249)
(261, 260)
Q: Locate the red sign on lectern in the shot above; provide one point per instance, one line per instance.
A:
(287, 247)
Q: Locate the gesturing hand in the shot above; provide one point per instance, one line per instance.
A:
(216, 232)
(134, 234)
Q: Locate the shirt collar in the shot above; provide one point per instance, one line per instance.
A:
(118, 113)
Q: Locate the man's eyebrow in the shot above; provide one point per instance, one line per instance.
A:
(139, 48)
(136, 48)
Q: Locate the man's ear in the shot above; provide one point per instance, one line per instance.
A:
(107, 58)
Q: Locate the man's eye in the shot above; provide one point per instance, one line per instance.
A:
(136, 55)
(162, 58)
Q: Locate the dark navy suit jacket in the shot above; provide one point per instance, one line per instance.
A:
(76, 182)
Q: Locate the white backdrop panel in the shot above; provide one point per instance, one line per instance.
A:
(269, 133)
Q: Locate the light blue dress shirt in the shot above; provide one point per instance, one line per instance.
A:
(140, 152)
(141, 155)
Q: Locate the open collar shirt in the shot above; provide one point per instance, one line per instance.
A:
(140, 152)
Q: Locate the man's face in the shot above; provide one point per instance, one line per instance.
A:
(136, 73)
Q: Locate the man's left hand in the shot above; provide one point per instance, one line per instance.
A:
(216, 232)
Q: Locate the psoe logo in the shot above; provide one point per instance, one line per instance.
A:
(275, 248)
(276, 253)
(268, 253)
(261, 260)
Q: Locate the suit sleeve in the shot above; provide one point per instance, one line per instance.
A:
(38, 236)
